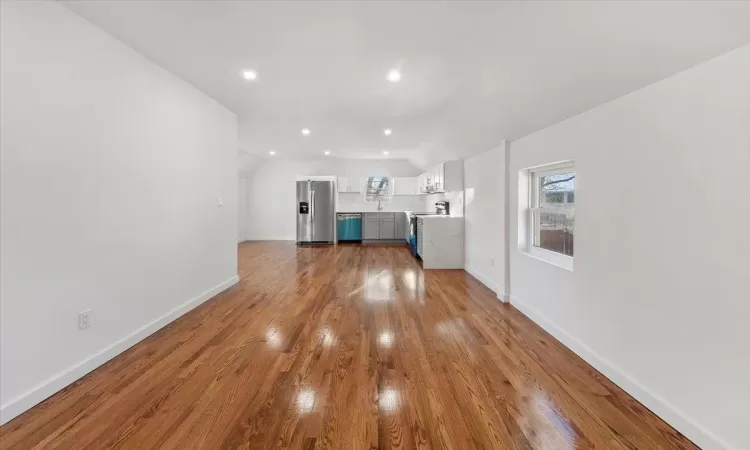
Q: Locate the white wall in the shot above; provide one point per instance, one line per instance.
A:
(658, 300)
(242, 209)
(484, 218)
(272, 190)
(111, 173)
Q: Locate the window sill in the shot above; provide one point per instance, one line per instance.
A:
(556, 259)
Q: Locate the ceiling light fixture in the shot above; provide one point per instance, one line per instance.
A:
(385, 153)
(271, 152)
(306, 131)
(394, 76)
(326, 152)
(387, 131)
(250, 75)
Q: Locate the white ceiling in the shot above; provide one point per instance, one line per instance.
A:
(473, 72)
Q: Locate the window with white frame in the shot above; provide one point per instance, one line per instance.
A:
(552, 208)
(378, 189)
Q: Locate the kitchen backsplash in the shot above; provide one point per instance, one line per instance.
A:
(455, 198)
(355, 202)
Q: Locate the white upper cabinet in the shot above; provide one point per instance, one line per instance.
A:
(405, 186)
(348, 184)
(447, 176)
(422, 183)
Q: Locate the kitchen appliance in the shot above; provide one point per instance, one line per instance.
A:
(350, 227)
(315, 212)
(441, 209)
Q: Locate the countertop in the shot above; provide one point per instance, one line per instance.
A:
(434, 217)
(371, 212)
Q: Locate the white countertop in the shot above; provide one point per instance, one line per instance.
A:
(383, 211)
(437, 217)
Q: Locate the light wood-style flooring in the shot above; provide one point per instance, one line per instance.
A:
(347, 347)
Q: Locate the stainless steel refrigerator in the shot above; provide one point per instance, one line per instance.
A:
(315, 212)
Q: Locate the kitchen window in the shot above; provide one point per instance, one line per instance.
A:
(552, 213)
(378, 189)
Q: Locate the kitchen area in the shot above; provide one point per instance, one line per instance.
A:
(423, 212)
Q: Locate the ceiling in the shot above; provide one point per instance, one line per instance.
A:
(473, 73)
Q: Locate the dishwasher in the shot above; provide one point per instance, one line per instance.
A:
(350, 227)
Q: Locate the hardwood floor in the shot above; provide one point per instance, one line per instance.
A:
(347, 347)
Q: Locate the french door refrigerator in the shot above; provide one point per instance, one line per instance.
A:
(315, 212)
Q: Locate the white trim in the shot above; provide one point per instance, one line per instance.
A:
(556, 259)
(568, 211)
(503, 297)
(485, 280)
(552, 168)
(28, 399)
(270, 238)
(669, 413)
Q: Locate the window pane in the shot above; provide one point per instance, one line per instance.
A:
(557, 190)
(377, 188)
(554, 232)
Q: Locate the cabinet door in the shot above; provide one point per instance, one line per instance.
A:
(387, 229)
(354, 184)
(342, 184)
(400, 225)
(420, 237)
(422, 183)
(439, 178)
(371, 226)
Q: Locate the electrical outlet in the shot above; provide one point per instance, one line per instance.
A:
(220, 202)
(492, 262)
(84, 319)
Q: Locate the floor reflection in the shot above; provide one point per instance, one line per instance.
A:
(380, 287)
(385, 339)
(389, 400)
(326, 337)
(273, 338)
(305, 401)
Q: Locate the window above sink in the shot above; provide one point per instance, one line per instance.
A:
(378, 188)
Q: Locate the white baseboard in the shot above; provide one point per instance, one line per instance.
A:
(485, 280)
(670, 414)
(270, 238)
(25, 401)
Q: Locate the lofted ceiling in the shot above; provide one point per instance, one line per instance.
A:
(473, 73)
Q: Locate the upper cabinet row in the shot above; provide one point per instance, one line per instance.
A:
(447, 176)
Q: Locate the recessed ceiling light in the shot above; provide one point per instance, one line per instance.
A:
(249, 75)
(387, 131)
(272, 153)
(393, 76)
(385, 153)
(326, 152)
(306, 131)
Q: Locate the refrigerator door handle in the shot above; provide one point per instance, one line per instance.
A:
(312, 206)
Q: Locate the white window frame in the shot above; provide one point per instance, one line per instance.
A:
(383, 197)
(534, 218)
